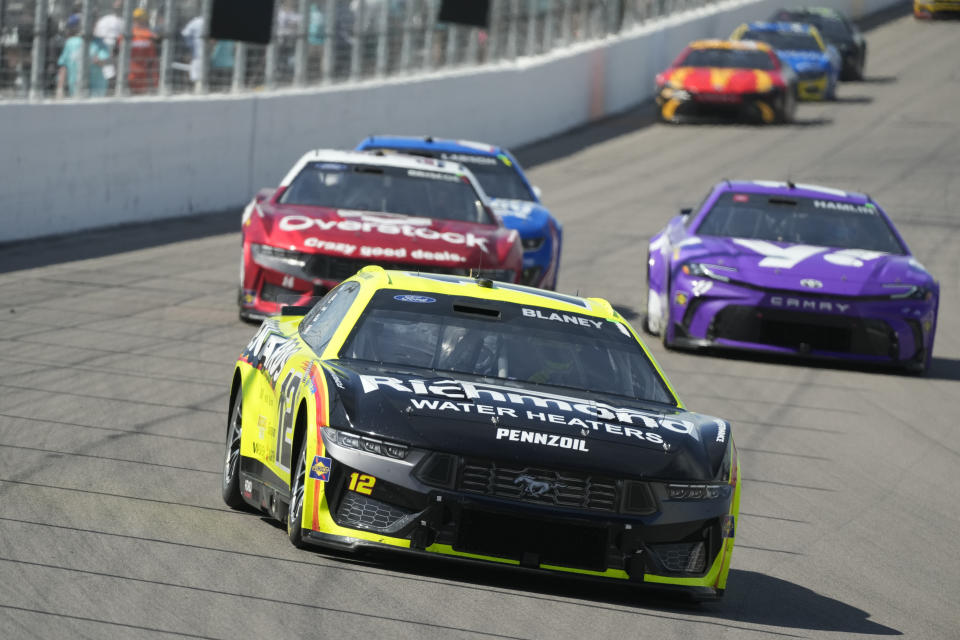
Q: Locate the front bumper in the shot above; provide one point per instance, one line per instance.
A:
(685, 544)
(541, 258)
(708, 313)
(815, 88)
(680, 106)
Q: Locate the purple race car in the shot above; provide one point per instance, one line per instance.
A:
(793, 269)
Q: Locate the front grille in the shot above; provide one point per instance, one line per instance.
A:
(537, 485)
(684, 557)
(336, 268)
(804, 331)
(531, 541)
(272, 293)
(361, 512)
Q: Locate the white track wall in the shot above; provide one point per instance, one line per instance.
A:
(73, 165)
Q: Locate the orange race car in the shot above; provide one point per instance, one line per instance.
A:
(722, 78)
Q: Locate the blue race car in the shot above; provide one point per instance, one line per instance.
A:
(514, 200)
(800, 45)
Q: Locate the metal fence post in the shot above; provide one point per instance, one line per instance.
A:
(270, 53)
(356, 51)
(565, 19)
(493, 31)
(123, 63)
(530, 46)
(406, 45)
(86, 29)
(453, 35)
(38, 57)
(166, 46)
(300, 47)
(203, 79)
(383, 39)
(329, 39)
(239, 67)
(430, 25)
(548, 26)
(471, 54)
(511, 51)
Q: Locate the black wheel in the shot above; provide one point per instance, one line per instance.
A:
(295, 511)
(665, 321)
(788, 107)
(230, 488)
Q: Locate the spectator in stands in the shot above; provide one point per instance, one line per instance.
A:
(221, 65)
(109, 28)
(288, 26)
(143, 55)
(193, 35)
(68, 74)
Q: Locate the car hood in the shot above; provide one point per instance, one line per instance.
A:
(720, 80)
(806, 268)
(533, 424)
(525, 216)
(380, 236)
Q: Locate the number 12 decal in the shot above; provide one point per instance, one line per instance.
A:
(362, 483)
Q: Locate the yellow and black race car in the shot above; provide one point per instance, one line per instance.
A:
(936, 8)
(484, 421)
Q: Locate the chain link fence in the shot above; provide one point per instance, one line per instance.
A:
(95, 48)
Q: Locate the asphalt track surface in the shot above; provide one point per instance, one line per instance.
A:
(117, 349)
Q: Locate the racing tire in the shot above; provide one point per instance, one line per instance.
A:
(295, 510)
(665, 322)
(230, 485)
(788, 107)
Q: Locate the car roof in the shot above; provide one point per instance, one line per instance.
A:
(483, 290)
(826, 12)
(445, 145)
(373, 158)
(739, 45)
(780, 27)
(791, 188)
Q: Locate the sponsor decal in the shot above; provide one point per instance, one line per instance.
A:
(320, 469)
(412, 298)
(407, 227)
(530, 486)
(247, 489)
(433, 175)
(681, 298)
(808, 305)
(546, 439)
(332, 247)
(514, 208)
(700, 287)
(565, 318)
(468, 158)
(852, 257)
(458, 396)
(721, 431)
(810, 283)
(788, 257)
(741, 197)
(727, 526)
(269, 351)
(288, 282)
(845, 206)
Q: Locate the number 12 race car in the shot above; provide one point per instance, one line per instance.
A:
(793, 269)
(481, 421)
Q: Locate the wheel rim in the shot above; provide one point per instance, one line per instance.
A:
(296, 499)
(232, 460)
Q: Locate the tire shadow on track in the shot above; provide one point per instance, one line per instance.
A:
(751, 599)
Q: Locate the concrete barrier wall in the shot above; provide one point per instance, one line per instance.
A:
(68, 166)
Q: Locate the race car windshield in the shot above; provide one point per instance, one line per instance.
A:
(497, 175)
(412, 192)
(728, 59)
(830, 28)
(505, 341)
(784, 41)
(823, 223)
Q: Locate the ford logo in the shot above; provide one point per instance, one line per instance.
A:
(810, 283)
(412, 298)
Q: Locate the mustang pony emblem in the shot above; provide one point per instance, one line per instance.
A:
(534, 487)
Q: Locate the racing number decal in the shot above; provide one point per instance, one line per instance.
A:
(288, 397)
(362, 483)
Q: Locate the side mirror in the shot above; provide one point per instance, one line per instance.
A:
(537, 191)
(685, 214)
